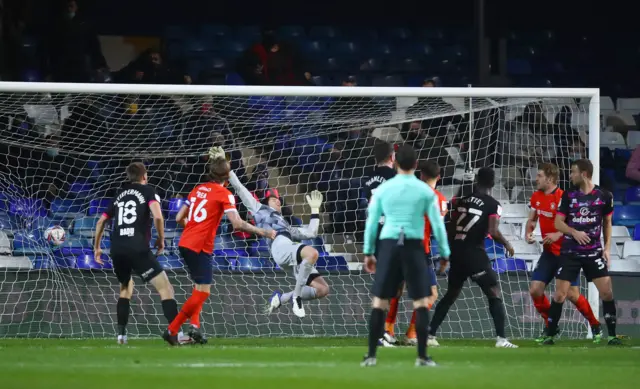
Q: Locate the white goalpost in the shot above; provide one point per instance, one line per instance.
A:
(64, 147)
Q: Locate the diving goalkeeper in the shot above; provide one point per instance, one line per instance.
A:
(286, 249)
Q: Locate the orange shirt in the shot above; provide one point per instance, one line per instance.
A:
(442, 204)
(207, 203)
(546, 206)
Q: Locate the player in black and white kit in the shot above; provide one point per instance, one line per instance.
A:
(132, 210)
(584, 215)
(384, 155)
(472, 219)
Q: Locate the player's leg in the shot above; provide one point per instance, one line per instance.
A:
(487, 280)
(543, 273)
(412, 336)
(309, 257)
(293, 256)
(122, 269)
(568, 271)
(417, 276)
(596, 271)
(387, 279)
(583, 306)
(455, 282)
(392, 314)
(201, 272)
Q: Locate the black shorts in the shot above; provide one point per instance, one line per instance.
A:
(398, 263)
(431, 270)
(471, 263)
(547, 268)
(144, 264)
(200, 266)
(593, 267)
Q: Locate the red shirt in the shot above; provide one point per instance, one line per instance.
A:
(546, 206)
(442, 204)
(207, 203)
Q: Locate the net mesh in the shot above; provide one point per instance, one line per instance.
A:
(63, 156)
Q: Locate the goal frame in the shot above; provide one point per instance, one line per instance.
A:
(593, 94)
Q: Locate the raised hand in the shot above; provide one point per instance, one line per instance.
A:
(314, 199)
(216, 152)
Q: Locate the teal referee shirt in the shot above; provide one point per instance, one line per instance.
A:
(404, 200)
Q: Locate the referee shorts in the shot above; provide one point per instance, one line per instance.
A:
(398, 263)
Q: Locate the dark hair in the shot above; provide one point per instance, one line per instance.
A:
(136, 171)
(584, 165)
(429, 169)
(486, 178)
(550, 170)
(219, 170)
(382, 151)
(406, 157)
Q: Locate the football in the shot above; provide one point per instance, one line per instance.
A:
(55, 235)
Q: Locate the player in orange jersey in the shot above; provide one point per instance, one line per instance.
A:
(201, 215)
(430, 174)
(544, 205)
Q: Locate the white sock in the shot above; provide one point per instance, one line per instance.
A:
(308, 293)
(304, 271)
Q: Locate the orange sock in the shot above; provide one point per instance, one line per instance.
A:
(542, 305)
(192, 305)
(585, 309)
(194, 320)
(390, 322)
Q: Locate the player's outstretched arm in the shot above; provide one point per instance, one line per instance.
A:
(374, 211)
(434, 213)
(245, 196)
(314, 199)
(239, 224)
(100, 225)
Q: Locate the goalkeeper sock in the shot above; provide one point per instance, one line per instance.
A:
(308, 293)
(609, 310)
(376, 326)
(122, 312)
(170, 309)
(496, 308)
(542, 305)
(422, 328)
(304, 271)
(192, 305)
(554, 317)
(582, 305)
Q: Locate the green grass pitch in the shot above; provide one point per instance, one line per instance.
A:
(262, 363)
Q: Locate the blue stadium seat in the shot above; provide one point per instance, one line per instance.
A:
(85, 226)
(362, 33)
(226, 246)
(173, 206)
(67, 208)
(632, 195)
(329, 263)
(636, 232)
(7, 223)
(383, 48)
(303, 103)
(98, 206)
(170, 261)
(626, 215)
(519, 67)
(260, 248)
(254, 264)
(233, 47)
(87, 261)
(219, 65)
(29, 243)
(42, 261)
(372, 65)
(214, 31)
(396, 33)
(404, 65)
(198, 48)
(295, 33)
(175, 49)
(314, 48)
(317, 243)
(234, 79)
(324, 32)
(74, 246)
(80, 189)
(502, 265)
(346, 48)
(391, 80)
(271, 104)
(248, 34)
(26, 208)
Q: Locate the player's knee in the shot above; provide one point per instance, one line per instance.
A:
(574, 294)
(421, 303)
(206, 288)
(559, 296)
(126, 291)
(607, 294)
(536, 290)
(434, 293)
(322, 290)
(163, 286)
(310, 254)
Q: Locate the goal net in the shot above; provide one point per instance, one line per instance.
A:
(64, 148)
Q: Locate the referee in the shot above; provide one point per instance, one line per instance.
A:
(404, 200)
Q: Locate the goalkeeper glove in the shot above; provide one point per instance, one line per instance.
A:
(314, 199)
(216, 152)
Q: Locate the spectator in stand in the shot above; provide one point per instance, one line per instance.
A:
(349, 81)
(150, 68)
(633, 166)
(272, 62)
(74, 53)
